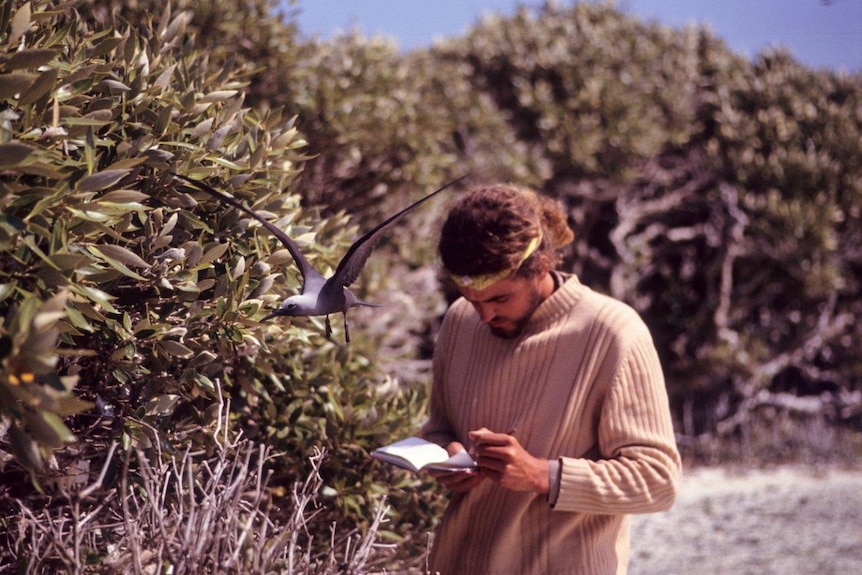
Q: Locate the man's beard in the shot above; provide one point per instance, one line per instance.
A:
(510, 333)
(515, 327)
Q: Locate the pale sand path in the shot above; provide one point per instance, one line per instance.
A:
(787, 521)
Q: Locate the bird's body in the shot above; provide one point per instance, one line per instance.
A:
(320, 295)
(323, 302)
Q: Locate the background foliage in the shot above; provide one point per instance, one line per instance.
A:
(720, 197)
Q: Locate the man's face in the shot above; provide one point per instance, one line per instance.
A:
(506, 306)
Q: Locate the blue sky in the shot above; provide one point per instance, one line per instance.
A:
(819, 34)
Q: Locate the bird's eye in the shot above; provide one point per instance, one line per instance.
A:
(291, 306)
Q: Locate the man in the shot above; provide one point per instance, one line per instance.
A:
(555, 389)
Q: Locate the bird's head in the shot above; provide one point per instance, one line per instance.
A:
(291, 307)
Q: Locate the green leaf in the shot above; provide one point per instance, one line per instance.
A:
(213, 254)
(6, 289)
(177, 27)
(101, 180)
(203, 128)
(95, 295)
(175, 348)
(43, 84)
(106, 46)
(162, 405)
(164, 80)
(67, 262)
(81, 73)
(226, 163)
(78, 320)
(20, 24)
(108, 276)
(43, 170)
(32, 58)
(123, 196)
(14, 83)
(203, 358)
(14, 153)
(218, 96)
(119, 253)
(24, 448)
(116, 85)
(47, 428)
(206, 383)
(116, 208)
(95, 118)
(90, 215)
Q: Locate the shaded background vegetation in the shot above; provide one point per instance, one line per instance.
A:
(718, 196)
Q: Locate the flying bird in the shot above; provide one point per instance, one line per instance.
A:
(320, 295)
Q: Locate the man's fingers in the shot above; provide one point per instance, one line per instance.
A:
(458, 481)
(485, 437)
(454, 447)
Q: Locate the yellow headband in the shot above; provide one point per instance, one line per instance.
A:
(482, 281)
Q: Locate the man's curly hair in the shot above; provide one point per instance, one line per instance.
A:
(488, 229)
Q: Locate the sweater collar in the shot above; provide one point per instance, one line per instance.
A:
(559, 303)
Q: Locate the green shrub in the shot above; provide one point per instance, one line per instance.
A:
(129, 300)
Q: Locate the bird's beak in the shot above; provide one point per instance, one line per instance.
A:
(275, 313)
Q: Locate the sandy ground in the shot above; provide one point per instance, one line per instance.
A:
(788, 521)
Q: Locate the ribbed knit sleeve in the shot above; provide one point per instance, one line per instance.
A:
(638, 469)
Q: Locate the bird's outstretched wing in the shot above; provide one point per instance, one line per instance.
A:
(354, 260)
(309, 274)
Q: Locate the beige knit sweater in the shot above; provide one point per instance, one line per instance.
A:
(583, 385)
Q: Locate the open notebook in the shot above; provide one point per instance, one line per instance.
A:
(415, 454)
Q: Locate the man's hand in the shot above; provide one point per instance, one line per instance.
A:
(502, 458)
(457, 481)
